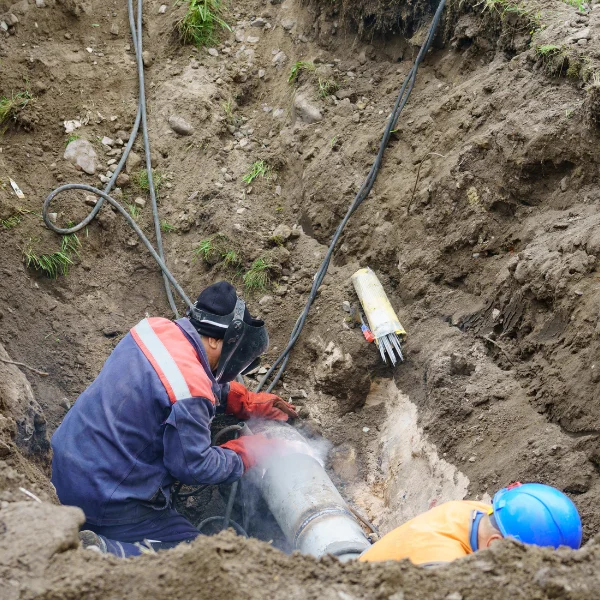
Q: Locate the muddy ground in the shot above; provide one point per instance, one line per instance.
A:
(481, 226)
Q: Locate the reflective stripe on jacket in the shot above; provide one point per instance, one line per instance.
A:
(441, 534)
(142, 424)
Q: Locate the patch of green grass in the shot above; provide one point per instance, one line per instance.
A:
(257, 277)
(205, 249)
(258, 169)
(298, 68)
(134, 210)
(327, 87)
(72, 138)
(10, 106)
(217, 249)
(11, 221)
(143, 182)
(202, 22)
(166, 227)
(232, 259)
(55, 264)
(547, 50)
(578, 4)
(504, 8)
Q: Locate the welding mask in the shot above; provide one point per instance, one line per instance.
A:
(243, 343)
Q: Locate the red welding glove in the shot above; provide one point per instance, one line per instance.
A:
(253, 449)
(244, 404)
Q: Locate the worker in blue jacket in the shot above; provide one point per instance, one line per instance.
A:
(144, 423)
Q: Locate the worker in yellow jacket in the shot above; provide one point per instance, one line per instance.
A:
(531, 513)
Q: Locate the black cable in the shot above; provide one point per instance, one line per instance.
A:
(238, 528)
(361, 195)
(141, 117)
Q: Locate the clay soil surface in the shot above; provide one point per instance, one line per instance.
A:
(482, 226)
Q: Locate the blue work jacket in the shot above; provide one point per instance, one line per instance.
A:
(141, 425)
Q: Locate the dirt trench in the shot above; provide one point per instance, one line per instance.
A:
(481, 226)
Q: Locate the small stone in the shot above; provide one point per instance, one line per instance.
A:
(261, 73)
(564, 183)
(279, 58)
(278, 113)
(213, 52)
(68, 36)
(123, 180)
(12, 19)
(278, 190)
(52, 217)
(346, 306)
(180, 125)
(133, 162)
(288, 24)
(258, 22)
(227, 177)
(72, 125)
(114, 29)
(305, 111)
(40, 3)
(252, 39)
(147, 59)
(103, 178)
(282, 232)
(584, 34)
(366, 429)
(244, 142)
(265, 300)
(163, 9)
(90, 200)
(472, 459)
(106, 141)
(454, 596)
(582, 42)
(82, 154)
(3, 26)
(64, 403)
(240, 211)
(139, 201)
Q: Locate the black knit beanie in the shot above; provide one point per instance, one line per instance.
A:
(219, 299)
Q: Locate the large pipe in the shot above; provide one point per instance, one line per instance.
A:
(310, 511)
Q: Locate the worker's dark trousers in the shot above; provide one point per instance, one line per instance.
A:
(165, 530)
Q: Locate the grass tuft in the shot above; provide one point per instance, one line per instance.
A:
(327, 87)
(72, 138)
(578, 4)
(10, 106)
(298, 68)
(11, 221)
(143, 182)
(201, 23)
(258, 169)
(57, 263)
(257, 277)
(166, 227)
(134, 210)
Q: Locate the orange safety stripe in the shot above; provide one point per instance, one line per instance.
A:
(173, 358)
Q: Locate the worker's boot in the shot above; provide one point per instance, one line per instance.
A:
(92, 541)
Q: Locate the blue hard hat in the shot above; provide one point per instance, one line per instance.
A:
(534, 513)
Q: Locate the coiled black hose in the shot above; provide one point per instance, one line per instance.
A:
(136, 34)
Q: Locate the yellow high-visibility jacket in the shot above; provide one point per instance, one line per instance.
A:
(441, 534)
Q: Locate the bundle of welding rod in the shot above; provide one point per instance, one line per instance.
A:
(383, 321)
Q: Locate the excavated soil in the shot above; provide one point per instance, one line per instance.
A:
(481, 227)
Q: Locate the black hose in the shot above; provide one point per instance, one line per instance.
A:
(361, 195)
(141, 117)
(224, 431)
(238, 528)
